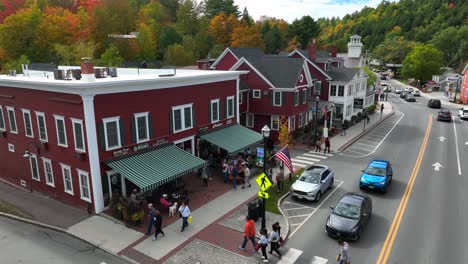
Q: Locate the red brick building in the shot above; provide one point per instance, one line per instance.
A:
(85, 139)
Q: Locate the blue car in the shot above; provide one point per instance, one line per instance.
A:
(377, 175)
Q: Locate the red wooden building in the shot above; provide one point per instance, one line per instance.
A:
(80, 139)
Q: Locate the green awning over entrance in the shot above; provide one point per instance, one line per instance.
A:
(153, 168)
(233, 138)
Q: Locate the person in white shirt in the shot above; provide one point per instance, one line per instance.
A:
(263, 244)
(274, 238)
(185, 212)
(344, 255)
(246, 171)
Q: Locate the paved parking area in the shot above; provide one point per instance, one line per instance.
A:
(299, 211)
(371, 141)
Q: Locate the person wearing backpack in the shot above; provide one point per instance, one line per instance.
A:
(274, 240)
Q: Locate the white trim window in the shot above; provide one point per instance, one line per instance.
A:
(300, 121)
(250, 121)
(241, 94)
(85, 192)
(112, 133)
(292, 123)
(277, 100)
(296, 97)
(142, 127)
(230, 107)
(61, 131)
(275, 122)
(12, 119)
(78, 135)
(256, 93)
(214, 111)
(182, 117)
(41, 126)
(28, 129)
(304, 96)
(34, 168)
(67, 179)
(48, 172)
(333, 90)
(2, 120)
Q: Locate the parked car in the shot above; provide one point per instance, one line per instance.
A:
(403, 94)
(410, 98)
(463, 112)
(383, 77)
(416, 92)
(349, 216)
(444, 115)
(434, 103)
(313, 182)
(410, 90)
(377, 176)
(398, 90)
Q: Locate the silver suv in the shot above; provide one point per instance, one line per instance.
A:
(313, 182)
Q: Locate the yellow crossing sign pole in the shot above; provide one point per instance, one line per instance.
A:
(263, 195)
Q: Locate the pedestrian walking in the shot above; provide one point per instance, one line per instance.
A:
(235, 173)
(344, 126)
(381, 109)
(225, 166)
(327, 145)
(279, 180)
(278, 228)
(158, 225)
(249, 232)
(344, 255)
(205, 175)
(246, 176)
(185, 212)
(318, 144)
(150, 218)
(264, 244)
(274, 240)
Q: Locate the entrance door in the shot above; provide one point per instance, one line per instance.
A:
(115, 183)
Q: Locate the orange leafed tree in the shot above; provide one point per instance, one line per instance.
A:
(222, 28)
(247, 37)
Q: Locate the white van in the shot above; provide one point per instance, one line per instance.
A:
(463, 112)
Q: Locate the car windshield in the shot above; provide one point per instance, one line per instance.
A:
(347, 210)
(375, 171)
(310, 177)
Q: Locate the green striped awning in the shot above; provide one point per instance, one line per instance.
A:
(233, 138)
(153, 168)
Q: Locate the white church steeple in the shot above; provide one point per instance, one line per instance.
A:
(354, 46)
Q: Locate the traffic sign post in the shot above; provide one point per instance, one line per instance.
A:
(263, 182)
(264, 195)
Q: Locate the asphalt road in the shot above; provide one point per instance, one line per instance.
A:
(26, 243)
(431, 228)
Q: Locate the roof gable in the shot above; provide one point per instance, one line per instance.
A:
(304, 55)
(344, 74)
(283, 72)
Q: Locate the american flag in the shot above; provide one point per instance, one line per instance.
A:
(283, 155)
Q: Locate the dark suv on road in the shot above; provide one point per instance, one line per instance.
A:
(434, 103)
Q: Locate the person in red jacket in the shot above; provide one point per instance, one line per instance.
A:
(249, 232)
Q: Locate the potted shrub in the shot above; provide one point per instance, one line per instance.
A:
(116, 206)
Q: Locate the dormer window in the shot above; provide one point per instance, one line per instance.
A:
(328, 65)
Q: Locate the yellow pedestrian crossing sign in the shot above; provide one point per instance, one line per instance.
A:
(263, 195)
(263, 182)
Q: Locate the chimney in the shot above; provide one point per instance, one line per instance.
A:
(333, 51)
(312, 52)
(87, 70)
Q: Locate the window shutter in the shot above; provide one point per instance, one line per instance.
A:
(134, 129)
(272, 98)
(283, 98)
(209, 112)
(193, 116)
(226, 109)
(122, 132)
(296, 98)
(234, 108)
(150, 126)
(102, 138)
(171, 121)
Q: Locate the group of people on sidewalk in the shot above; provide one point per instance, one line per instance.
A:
(237, 170)
(320, 142)
(273, 238)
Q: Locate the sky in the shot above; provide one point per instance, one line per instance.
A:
(295, 9)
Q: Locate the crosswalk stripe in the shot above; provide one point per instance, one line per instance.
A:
(315, 156)
(291, 256)
(319, 260)
(307, 158)
(301, 162)
(328, 154)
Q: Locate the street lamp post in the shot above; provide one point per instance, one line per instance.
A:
(27, 154)
(317, 99)
(266, 134)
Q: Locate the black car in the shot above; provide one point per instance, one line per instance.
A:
(403, 95)
(444, 115)
(434, 103)
(349, 216)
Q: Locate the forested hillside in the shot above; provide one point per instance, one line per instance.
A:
(178, 32)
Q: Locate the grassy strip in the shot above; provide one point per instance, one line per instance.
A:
(13, 210)
(272, 202)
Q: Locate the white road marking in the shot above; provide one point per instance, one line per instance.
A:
(456, 148)
(365, 144)
(437, 166)
(314, 155)
(466, 143)
(291, 256)
(352, 147)
(328, 154)
(306, 158)
(363, 139)
(319, 260)
(442, 139)
(315, 210)
(295, 208)
(287, 202)
(354, 152)
(294, 216)
(295, 224)
(301, 162)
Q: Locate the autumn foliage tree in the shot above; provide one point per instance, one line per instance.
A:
(247, 37)
(284, 136)
(222, 27)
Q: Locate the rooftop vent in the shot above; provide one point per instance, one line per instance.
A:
(112, 71)
(168, 75)
(12, 73)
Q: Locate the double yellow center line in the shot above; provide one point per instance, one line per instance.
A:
(388, 244)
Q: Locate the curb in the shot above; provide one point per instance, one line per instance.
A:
(280, 200)
(360, 135)
(58, 229)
